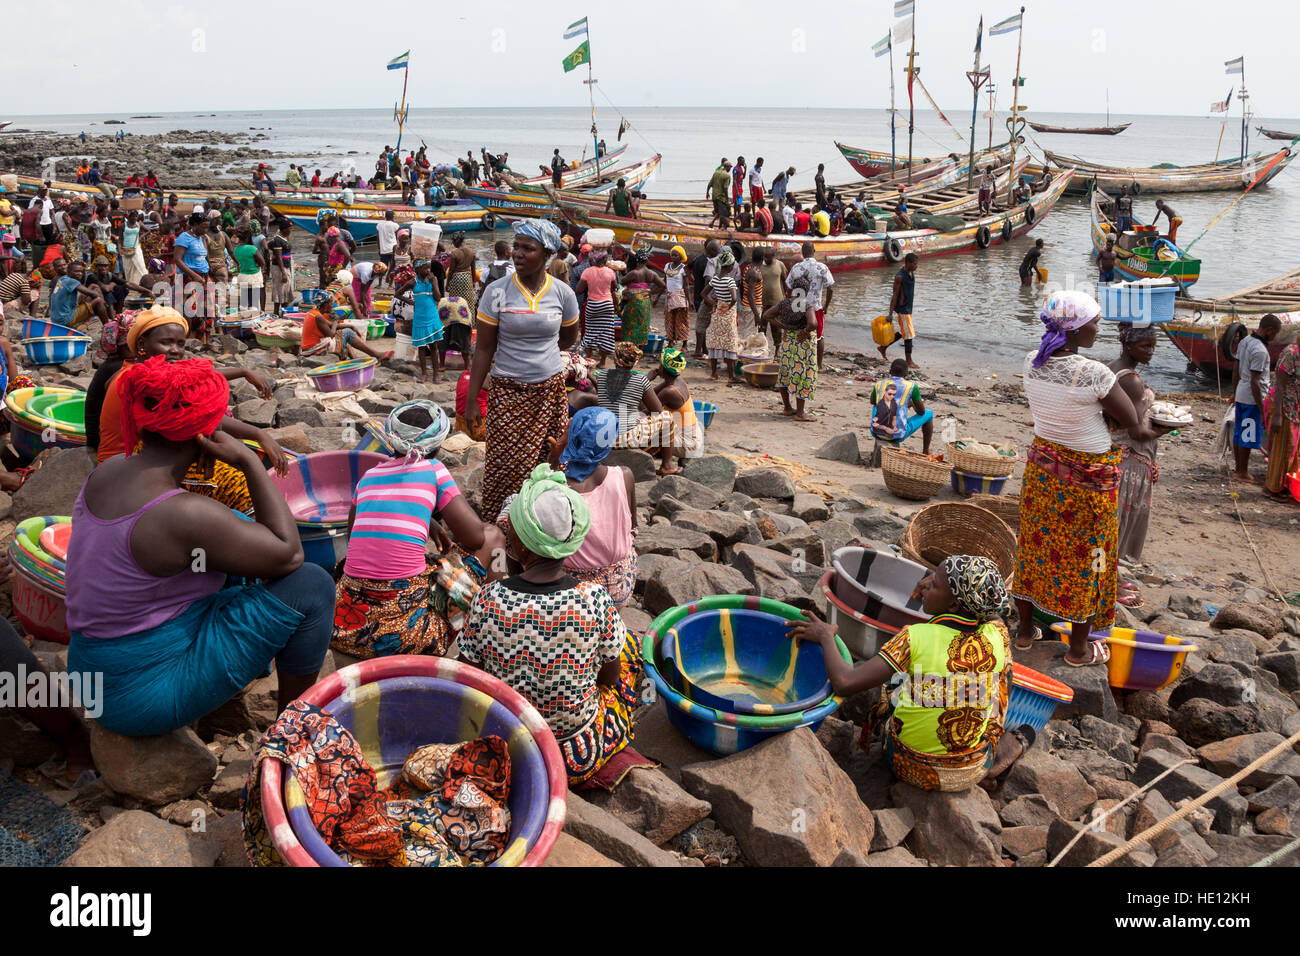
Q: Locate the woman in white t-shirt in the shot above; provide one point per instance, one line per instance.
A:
(1069, 540)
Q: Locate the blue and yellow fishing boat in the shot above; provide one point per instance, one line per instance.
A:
(1140, 252)
(456, 216)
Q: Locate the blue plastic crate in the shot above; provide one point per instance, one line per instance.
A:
(1146, 302)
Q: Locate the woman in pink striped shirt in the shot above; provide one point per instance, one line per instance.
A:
(391, 599)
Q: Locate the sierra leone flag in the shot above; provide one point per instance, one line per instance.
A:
(399, 62)
(578, 57)
(576, 29)
(903, 7)
(1009, 25)
(881, 48)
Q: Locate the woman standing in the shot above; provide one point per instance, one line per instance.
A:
(721, 335)
(797, 348)
(524, 322)
(132, 254)
(638, 283)
(339, 255)
(460, 270)
(597, 284)
(1282, 418)
(677, 321)
(1069, 541)
(749, 318)
(426, 324)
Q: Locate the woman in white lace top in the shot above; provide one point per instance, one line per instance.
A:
(1066, 565)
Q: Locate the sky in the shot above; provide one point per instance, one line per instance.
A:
(135, 56)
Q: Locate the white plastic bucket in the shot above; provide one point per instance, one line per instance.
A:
(424, 239)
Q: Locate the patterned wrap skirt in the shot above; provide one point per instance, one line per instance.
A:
(461, 285)
(379, 618)
(520, 418)
(798, 365)
(636, 316)
(618, 579)
(601, 324)
(1069, 538)
(720, 338)
(677, 317)
(949, 773)
(610, 730)
(1137, 478)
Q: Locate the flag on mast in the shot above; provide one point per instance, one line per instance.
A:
(883, 47)
(903, 30)
(399, 62)
(1235, 66)
(1222, 107)
(903, 7)
(979, 41)
(576, 29)
(578, 57)
(1009, 25)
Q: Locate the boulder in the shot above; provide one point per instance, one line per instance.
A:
(1190, 781)
(1060, 782)
(1174, 745)
(893, 824)
(155, 770)
(713, 471)
(643, 465)
(1273, 821)
(1094, 844)
(724, 527)
(1286, 665)
(260, 413)
(785, 524)
(636, 620)
(609, 836)
(1226, 757)
(229, 784)
(292, 438)
(1231, 648)
(1201, 721)
(52, 488)
(1092, 763)
(807, 546)
(1147, 705)
(1153, 807)
(1249, 849)
(667, 590)
(1220, 683)
(1030, 810)
(690, 493)
(227, 833)
(786, 802)
(843, 447)
(669, 540)
(1107, 737)
(1253, 617)
(809, 507)
(777, 576)
(570, 851)
(1021, 842)
(952, 829)
(302, 411)
(1110, 788)
(765, 483)
(136, 838)
(653, 805)
(1188, 604)
(838, 533)
(650, 566)
(1284, 794)
(880, 525)
(657, 739)
(896, 856)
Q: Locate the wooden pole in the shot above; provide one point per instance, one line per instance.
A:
(977, 78)
(893, 113)
(401, 110)
(911, 101)
(1015, 110)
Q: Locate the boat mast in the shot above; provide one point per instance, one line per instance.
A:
(911, 103)
(991, 91)
(893, 113)
(1245, 128)
(1015, 108)
(591, 96)
(977, 79)
(401, 110)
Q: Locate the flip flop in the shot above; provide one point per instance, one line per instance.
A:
(1098, 653)
(1130, 599)
(1038, 636)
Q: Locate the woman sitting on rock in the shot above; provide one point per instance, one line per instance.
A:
(389, 599)
(625, 391)
(685, 435)
(573, 659)
(948, 681)
(147, 595)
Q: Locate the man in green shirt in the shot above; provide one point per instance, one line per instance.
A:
(293, 177)
(719, 190)
(250, 263)
(621, 199)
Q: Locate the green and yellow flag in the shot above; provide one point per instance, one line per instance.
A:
(578, 57)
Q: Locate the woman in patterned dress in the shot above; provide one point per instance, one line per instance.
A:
(797, 350)
(720, 339)
(638, 284)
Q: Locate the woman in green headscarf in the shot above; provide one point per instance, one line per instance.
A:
(686, 438)
(557, 641)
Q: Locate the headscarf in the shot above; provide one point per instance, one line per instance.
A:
(599, 257)
(726, 259)
(344, 276)
(626, 354)
(332, 232)
(541, 231)
(549, 517)
(177, 400)
(152, 318)
(379, 269)
(1063, 312)
(673, 361)
(592, 432)
(1128, 332)
(407, 438)
(568, 241)
(156, 265)
(113, 337)
(977, 585)
(679, 252)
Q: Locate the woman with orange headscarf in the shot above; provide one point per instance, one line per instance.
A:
(149, 605)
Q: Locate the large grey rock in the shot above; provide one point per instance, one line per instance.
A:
(1226, 757)
(690, 493)
(1030, 810)
(1094, 763)
(659, 740)
(670, 540)
(786, 802)
(1020, 842)
(1188, 604)
(809, 507)
(1060, 782)
(653, 805)
(1151, 808)
(650, 566)
(893, 824)
(52, 488)
(777, 576)
(136, 838)
(700, 580)
(1253, 617)
(227, 833)
(839, 533)
(724, 527)
(301, 411)
(896, 856)
(155, 770)
(1201, 721)
(880, 525)
(952, 829)
(806, 546)
(1220, 683)
(1108, 737)
(642, 464)
(1283, 794)
(1190, 781)
(1147, 705)
(292, 438)
(765, 483)
(230, 782)
(260, 413)
(1249, 849)
(1093, 844)
(1175, 745)
(569, 851)
(1233, 648)
(609, 836)
(713, 471)
(1286, 665)
(843, 447)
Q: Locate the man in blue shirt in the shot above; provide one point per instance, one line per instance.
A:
(93, 177)
(65, 309)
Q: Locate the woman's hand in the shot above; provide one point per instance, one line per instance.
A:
(473, 415)
(226, 449)
(279, 460)
(260, 382)
(812, 629)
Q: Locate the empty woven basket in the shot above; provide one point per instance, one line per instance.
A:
(950, 528)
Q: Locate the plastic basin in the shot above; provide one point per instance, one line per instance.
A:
(704, 412)
(1033, 698)
(56, 349)
(879, 585)
(403, 702)
(1139, 660)
(344, 376)
(44, 328)
(654, 344)
(319, 487)
(30, 440)
(860, 634)
(967, 484)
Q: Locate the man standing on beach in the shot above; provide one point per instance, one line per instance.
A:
(717, 191)
(738, 176)
(1106, 261)
(557, 169)
(1251, 381)
(756, 184)
(386, 237)
(819, 181)
(900, 304)
(620, 199)
(819, 279)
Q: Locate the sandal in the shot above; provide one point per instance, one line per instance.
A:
(1098, 653)
(1130, 599)
(1038, 636)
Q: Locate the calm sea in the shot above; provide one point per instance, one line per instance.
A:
(970, 308)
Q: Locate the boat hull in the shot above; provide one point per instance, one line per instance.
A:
(869, 163)
(534, 203)
(1081, 131)
(1228, 175)
(1138, 263)
(363, 217)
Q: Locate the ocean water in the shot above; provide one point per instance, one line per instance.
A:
(970, 308)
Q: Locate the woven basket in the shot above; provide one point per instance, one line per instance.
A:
(949, 528)
(1006, 507)
(992, 466)
(911, 477)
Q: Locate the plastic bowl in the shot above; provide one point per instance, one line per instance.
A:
(65, 413)
(1139, 660)
(56, 349)
(1034, 697)
(741, 662)
(654, 344)
(966, 484)
(54, 540)
(704, 412)
(44, 328)
(19, 402)
(376, 329)
(275, 342)
(717, 731)
(761, 374)
(405, 701)
(319, 487)
(344, 376)
(862, 635)
(879, 585)
(30, 440)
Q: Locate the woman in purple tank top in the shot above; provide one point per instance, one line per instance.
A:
(147, 596)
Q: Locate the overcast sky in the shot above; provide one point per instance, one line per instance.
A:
(1158, 57)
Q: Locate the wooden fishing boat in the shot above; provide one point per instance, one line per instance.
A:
(531, 202)
(840, 253)
(584, 173)
(870, 163)
(458, 216)
(1081, 130)
(1226, 174)
(1140, 252)
(1202, 328)
(1277, 134)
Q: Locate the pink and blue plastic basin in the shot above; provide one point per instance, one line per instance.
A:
(319, 486)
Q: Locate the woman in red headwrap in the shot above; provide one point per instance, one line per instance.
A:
(149, 603)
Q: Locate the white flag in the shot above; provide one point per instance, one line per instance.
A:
(903, 30)
(1009, 25)
(1235, 66)
(903, 7)
(576, 29)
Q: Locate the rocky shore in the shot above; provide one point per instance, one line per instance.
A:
(737, 522)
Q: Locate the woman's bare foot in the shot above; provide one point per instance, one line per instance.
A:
(788, 412)
(804, 417)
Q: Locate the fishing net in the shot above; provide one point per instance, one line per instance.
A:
(925, 220)
(34, 831)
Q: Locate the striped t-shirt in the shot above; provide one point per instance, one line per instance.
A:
(395, 502)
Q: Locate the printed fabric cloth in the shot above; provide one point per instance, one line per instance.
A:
(520, 418)
(798, 365)
(379, 618)
(636, 315)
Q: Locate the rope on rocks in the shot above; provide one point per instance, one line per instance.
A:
(1255, 551)
(1096, 822)
(1196, 804)
(1277, 854)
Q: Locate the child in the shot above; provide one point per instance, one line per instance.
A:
(457, 325)
(426, 325)
(884, 416)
